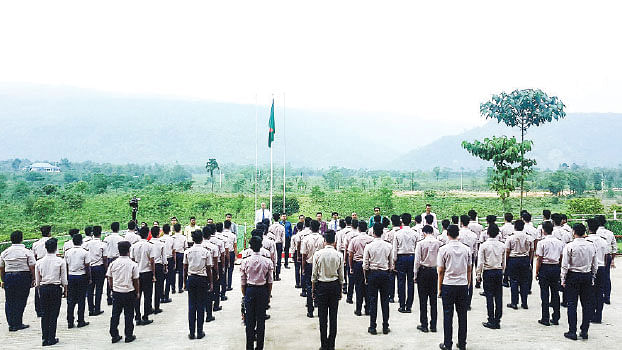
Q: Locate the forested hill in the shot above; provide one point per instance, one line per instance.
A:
(588, 139)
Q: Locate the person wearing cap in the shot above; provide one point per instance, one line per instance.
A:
(79, 278)
(124, 280)
(51, 279)
(548, 257)
(17, 272)
(198, 263)
(98, 262)
(426, 254)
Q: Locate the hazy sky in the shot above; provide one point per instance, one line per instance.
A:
(432, 61)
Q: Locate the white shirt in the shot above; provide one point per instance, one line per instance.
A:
(123, 271)
(77, 258)
(198, 260)
(168, 242)
(262, 214)
(141, 252)
(50, 270)
(17, 258)
(97, 251)
(112, 245)
(180, 242)
(158, 254)
(434, 223)
(38, 248)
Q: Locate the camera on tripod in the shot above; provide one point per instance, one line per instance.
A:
(134, 205)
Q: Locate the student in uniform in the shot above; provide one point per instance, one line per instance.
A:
(377, 267)
(160, 262)
(443, 238)
(227, 246)
(198, 269)
(278, 230)
(469, 238)
(454, 274)
(326, 282)
(490, 266)
(131, 235)
(169, 252)
(578, 270)
(404, 242)
(476, 228)
(17, 271)
(340, 237)
(295, 244)
(356, 249)
(256, 281)
(69, 243)
(123, 278)
(98, 262)
(426, 254)
(39, 251)
(232, 241)
(548, 256)
(354, 231)
(303, 234)
(179, 246)
(309, 246)
(519, 250)
(598, 285)
(210, 294)
(51, 279)
(79, 278)
(142, 253)
(112, 253)
(610, 239)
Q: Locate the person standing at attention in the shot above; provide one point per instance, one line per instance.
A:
(51, 279)
(426, 254)
(377, 266)
(262, 214)
(490, 266)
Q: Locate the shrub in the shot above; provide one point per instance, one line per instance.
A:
(585, 206)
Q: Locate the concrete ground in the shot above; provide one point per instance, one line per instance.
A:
(289, 328)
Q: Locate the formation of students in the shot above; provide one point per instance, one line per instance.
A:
(359, 259)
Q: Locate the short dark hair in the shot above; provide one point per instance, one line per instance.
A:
(227, 224)
(385, 221)
(256, 243)
(155, 231)
(547, 227)
(472, 214)
(318, 213)
(378, 229)
(46, 230)
(124, 247)
(114, 226)
(88, 231)
(445, 223)
(193, 218)
(429, 205)
(579, 229)
(166, 228)
(601, 220)
(219, 227)
(131, 225)
(519, 225)
(197, 236)
(464, 220)
(429, 219)
(342, 223)
(406, 219)
(493, 230)
(329, 236)
(418, 219)
(508, 217)
(315, 226)
(77, 239)
(362, 226)
(455, 219)
(228, 214)
(17, 237)
(207, 233)
(276, 216)
(377, 218)
(546, 214)
(592, 225)
(376, 208)
(73, 231)
(491, 219)
(334, 213)
(348, 220)
(173, 218)
(308, 221)
(427, 229)
(452, 231)
(300, 226)
(564, 217)
(395, 220)
(557, 219)
(144, 232)
(51, 245)
(97, 231)
(355, 223)
(177, 227)
(526, 217)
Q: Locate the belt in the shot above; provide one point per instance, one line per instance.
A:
(405, 255)
(195, 275)
(551, 264)
(18, 272)
(255, 285)
(427, 267)
(327, 282)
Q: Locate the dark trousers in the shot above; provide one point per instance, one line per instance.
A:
(122, 302)
(209, 298)
(230, 268)
(297, 268)
(217, 286)
(519, 279)
(345, 274)
(405, 275)
(351, 280)
(378, 282)
(108, 290)
(255, 303)
(607, 279)
(179, 262)
(359, 284)
(288, 244)
(197, 299)
(146, 289)
(50, 299)
(279, 253)
(222, 274)
(16, 290)
(548, 277)
(598, 295)
(159, 285)
(427, 282)
(76, 295)
(579, 287)
(493, 288)
(454, 296)
(308, 286)
(170, 277)
(38, 307)
(327, 295)
(96, 288)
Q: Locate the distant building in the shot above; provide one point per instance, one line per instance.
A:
(44, 168)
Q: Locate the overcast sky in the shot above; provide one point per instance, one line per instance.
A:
(434, 61)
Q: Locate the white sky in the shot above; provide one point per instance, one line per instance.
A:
(433, 61)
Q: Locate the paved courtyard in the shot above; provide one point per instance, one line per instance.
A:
(289, 328)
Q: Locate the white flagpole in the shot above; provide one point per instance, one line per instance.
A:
(284, 153)
(271, 169)
(256, 151)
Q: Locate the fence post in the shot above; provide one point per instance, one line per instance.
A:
(615, 215)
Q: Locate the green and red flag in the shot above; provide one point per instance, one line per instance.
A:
(271, 129)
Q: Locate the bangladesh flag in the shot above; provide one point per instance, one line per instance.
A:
(271, 126)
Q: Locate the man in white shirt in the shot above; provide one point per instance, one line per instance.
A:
(39, 251)
(98, 263)
(112, 251)
(160, 261)
(180, 245)
(334, 223)
(141, 252)
(123, 277)
(278, 231)
(78, 278)
(262, 214)
(169, 252)
(50, 276)
(428, 211)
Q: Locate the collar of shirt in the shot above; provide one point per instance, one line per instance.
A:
(18, 245)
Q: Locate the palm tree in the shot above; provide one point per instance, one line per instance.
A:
(212, 165)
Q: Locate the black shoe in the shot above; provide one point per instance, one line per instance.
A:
(70, 325)
(349, 301)
(506, 284)
(408, 310)
(607, 302)
(401, 310)
(82, 324)
(201, 335)
(442, 346)
(513, 306)
(423, 329)
(180, 292)
(210, 319)
(173, 291)
(478, 285)
(525, 307)
(277, 279)
(13, 329)
(366, 312)
(596, 322)
(229, 289)
(191, 336)
(529, 293)
(386, 330)
(461, 347)
(372, 331)
(157, 311)
(223, 298)
(144, 323)
(50, 342)
(96, 313)
(490, 325)
(109, 302)
(303, 294)
(358, 313)
(544, 323)
(391, 300)
(572, 336)
(166, 301)
(344, 291)
(555, 322)
(583, 335)
(298, 286)
(217, 308)
(468, 308)
(267, 317)
(116, 339)
(130, 339)
(564, 304)
(310, 314)
(433, 329)
(482, 294)
(22, 326)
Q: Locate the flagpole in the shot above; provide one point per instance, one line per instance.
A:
(271, 169)
(284, 153)
(256, 152)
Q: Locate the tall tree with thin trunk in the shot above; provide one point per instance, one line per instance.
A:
(212, 165)
(523, 109)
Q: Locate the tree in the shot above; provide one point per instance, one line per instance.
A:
(210, 166)
(506, 155)
(556, 182)
(16, 163)
(523, 109)
(2, 184)
(597, 180)
(333, 177)
(577, 182)
(65, 164)
(437, 172)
